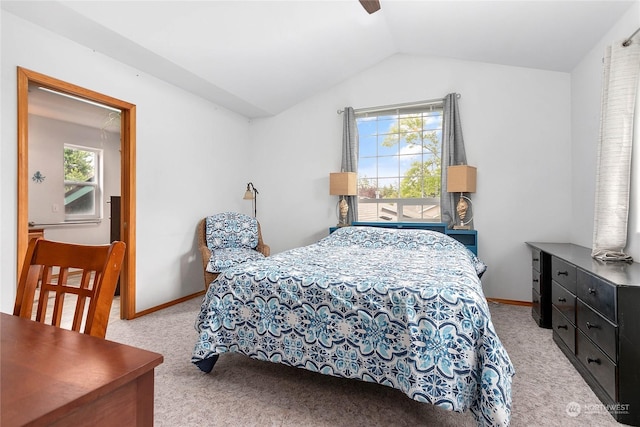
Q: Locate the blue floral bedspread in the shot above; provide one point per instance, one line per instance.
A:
(402, 308)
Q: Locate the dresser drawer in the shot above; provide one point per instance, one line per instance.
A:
(535, 259)
(602, 332)
(597, 363)
(564, 301)
(598, 294)
(563, 328)
(564, 273)
(535, 281)
(535, 304)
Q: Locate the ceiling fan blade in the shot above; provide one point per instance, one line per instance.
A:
(370, 5)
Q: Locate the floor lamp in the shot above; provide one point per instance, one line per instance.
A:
(252, 194)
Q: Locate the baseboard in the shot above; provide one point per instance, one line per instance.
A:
(168, 304)
(510, 302)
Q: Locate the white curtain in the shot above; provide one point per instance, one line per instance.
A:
(619, 89)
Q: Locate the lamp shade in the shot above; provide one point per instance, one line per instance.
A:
(461, 179)
(251, 193)
(343, 184)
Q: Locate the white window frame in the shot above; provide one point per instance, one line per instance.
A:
(396, 209)
(96, 184)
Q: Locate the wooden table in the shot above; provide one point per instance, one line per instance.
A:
(54, 376)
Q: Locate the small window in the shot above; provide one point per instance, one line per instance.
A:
(82, 183)
(399, 166)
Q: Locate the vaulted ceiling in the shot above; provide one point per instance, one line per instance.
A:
(259, 58)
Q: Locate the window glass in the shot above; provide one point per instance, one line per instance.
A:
(399, 167)
(81, 182)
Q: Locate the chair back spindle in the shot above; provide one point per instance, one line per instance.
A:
(60, 274)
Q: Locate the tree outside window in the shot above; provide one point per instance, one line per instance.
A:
(399, 165)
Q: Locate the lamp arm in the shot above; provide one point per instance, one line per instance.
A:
(251, 187)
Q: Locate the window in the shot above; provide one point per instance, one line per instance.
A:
(82, 183)
(399, 164)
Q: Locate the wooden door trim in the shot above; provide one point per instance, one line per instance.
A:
(127, 181)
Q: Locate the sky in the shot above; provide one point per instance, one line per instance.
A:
(389, 164)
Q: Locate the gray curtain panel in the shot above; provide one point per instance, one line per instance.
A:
(613, 174)
(350, 156)
(453, 153)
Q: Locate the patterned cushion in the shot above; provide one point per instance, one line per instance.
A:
(231, 230)
(221, 259)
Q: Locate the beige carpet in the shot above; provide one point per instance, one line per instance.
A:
(245, 392)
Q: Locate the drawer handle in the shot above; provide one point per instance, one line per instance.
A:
(562, 300)
(596, 361)
(535, 280)
(592, 326)
(563, 273)
(563, 327)
(536, 259)
(592, 291)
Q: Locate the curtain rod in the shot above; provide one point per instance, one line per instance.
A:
(396, 106)
(628, 41)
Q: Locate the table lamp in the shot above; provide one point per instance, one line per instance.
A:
(462, 179)
(343, 184)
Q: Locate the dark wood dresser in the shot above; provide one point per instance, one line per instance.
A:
(541, 287)
(595, 317)
(114, 231)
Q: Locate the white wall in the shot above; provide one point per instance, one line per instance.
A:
(190, 158)
(516, 125)
(46, 143)
(534, 177)
(586, 88)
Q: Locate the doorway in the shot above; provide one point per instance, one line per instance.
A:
(127, 168)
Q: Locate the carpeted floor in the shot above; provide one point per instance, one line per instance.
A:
(244, 392)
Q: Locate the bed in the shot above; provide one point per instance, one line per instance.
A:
(398, 307)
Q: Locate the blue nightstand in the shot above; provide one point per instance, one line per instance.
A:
(469, 238)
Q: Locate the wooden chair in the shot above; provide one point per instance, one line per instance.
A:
(53, 266)
(205, 252)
